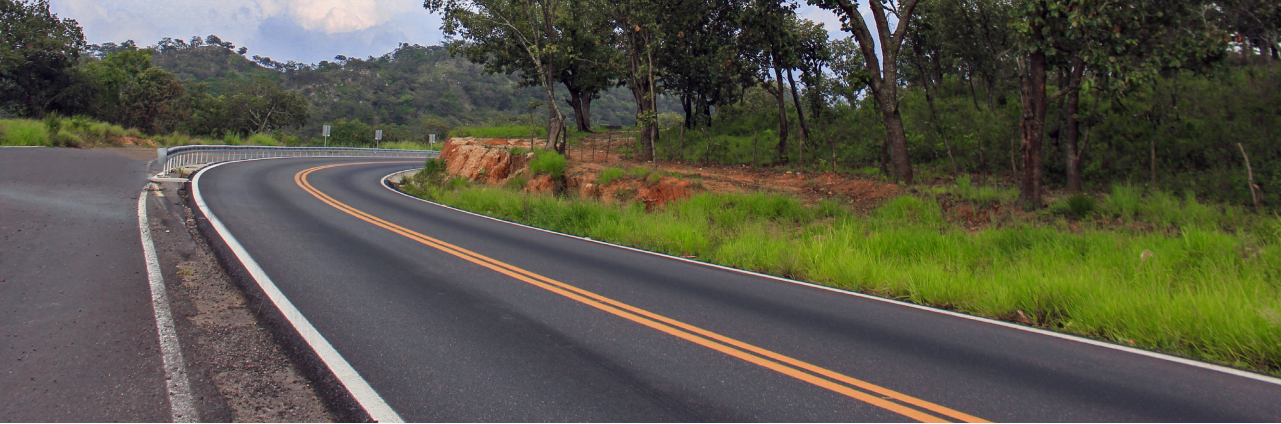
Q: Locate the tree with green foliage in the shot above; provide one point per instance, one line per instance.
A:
(772, 35)
(639, 21)
(703, 59)
(882, 70)
(125, 88)
(590, 61)
(1099, 46)
(524, 27)
(37, 49)
(262, 105)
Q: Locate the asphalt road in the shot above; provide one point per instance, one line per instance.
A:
(454, 317)
(79, 336)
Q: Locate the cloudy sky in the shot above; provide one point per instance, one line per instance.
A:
(306, 31)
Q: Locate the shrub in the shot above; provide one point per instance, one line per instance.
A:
(911, 209)
(639, 172)
(65, 139)
(517, 182)
(609, 175)
(1081, 205)
(433, 167)
(548, 162)
(1124, 201)
(457, 183)
(53, 123)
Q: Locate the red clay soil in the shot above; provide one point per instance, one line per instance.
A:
(594, 154)
(490, 161)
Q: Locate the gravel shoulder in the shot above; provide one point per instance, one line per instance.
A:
(238, 370)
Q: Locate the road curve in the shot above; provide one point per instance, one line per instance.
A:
(455, 317)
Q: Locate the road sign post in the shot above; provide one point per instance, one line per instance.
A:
(378, 138)
(324, 131)
(431, 140)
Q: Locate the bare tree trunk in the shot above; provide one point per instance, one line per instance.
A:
(1152, 167)
(682, 142)
(586, 121)
(832, 143)
(1250, 175)
(800, 112)
(1073, 149)
(896, 139)
(782, 110)
(576, 102)
(754, 136)
(688, 106)
(1033, 123)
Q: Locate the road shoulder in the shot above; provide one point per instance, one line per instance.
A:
(239, 371)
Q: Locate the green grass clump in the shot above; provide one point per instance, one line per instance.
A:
(548, 162)
(609, 175)
(23, 132)
(1164, 209)
(1203, 292)
(1081, 205)
(261, 140)
(966, 189)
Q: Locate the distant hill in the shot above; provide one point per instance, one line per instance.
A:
(411, 83)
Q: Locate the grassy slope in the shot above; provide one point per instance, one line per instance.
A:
(1209, 289)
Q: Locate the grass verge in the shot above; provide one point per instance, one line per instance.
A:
(1195, 289)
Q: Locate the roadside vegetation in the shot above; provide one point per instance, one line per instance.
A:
(1146, 269)
(83, 131)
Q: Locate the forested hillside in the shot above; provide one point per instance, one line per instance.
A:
(405, 89)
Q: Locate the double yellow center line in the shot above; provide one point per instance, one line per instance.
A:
(890, 400)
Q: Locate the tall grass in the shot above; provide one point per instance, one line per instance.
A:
(23, 132)
(1204, 293)
(966, 189)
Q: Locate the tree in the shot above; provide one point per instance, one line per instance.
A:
(527, 26)
(772, 34)
(261, 106)
(36, 52)
(153, 102)
(883, 70)
(1097, 45)
(588, 65)
(703, 59)
(638, 21)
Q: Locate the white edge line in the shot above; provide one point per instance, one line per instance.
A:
(182, 407)
(1075, 338)
(365, 395)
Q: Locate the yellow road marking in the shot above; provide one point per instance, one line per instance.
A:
(783, 364)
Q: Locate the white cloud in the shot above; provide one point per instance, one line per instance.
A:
(337, 16)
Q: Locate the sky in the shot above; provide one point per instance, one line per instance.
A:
(306, 31)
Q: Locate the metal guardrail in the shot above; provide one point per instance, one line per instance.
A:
(182, 156)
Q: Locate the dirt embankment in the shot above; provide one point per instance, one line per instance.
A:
(492, 161)
(496, 161)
